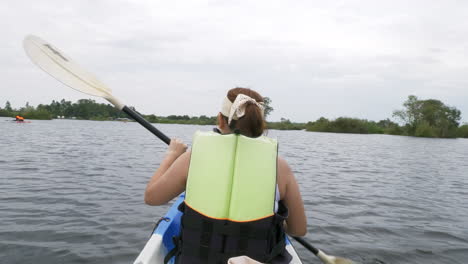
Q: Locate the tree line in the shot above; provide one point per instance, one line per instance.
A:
(421, 118)
(82, 109)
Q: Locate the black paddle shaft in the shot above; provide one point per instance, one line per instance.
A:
(135, 116)
(306, 245)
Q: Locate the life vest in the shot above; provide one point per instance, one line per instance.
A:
(229, 207)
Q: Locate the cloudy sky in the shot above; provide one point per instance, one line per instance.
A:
(312, 58)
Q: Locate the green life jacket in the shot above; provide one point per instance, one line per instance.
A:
(229, 207)
(232, 177)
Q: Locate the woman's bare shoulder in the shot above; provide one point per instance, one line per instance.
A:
(283, 167)
(284, 176)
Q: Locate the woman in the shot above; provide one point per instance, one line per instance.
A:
(236, 187)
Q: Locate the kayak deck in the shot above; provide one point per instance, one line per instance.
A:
(161, 243)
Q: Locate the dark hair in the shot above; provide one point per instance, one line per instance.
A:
(252, 124)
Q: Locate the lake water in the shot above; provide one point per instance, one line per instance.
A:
(72, 192)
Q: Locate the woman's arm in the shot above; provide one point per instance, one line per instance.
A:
(169, 179)
(297, 220)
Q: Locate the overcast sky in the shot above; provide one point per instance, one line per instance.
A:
(312, 58)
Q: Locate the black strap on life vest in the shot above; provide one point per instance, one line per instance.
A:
(206, 240)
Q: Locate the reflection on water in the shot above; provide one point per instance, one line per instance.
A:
(72, 192)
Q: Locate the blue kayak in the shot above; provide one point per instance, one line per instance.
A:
(161, 242)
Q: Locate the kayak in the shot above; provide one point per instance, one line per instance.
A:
(160, 242)
(16, 121)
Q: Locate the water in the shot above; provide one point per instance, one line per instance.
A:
(72, 192)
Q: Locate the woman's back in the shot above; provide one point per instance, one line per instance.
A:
(235, 170)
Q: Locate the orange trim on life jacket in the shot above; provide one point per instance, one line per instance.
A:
(238, 221)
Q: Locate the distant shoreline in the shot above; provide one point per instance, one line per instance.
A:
(270, 126)
(420, 118)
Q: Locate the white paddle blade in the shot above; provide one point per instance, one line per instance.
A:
(61, 67)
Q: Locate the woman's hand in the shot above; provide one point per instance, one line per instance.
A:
(176, 148)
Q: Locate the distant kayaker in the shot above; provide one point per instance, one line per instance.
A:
(238, 191)
(19, 118)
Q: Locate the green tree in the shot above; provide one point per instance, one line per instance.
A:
(390, 127)
(463, 131)
(350, 125)
(37, 114)
(321, 125)
(267, 106)
(428, 118)
(424, 129)
(285, 124)
(347, 125)
(409, 115)
(8, 106)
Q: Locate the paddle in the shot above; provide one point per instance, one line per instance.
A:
(321, 255)
(61, 67)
